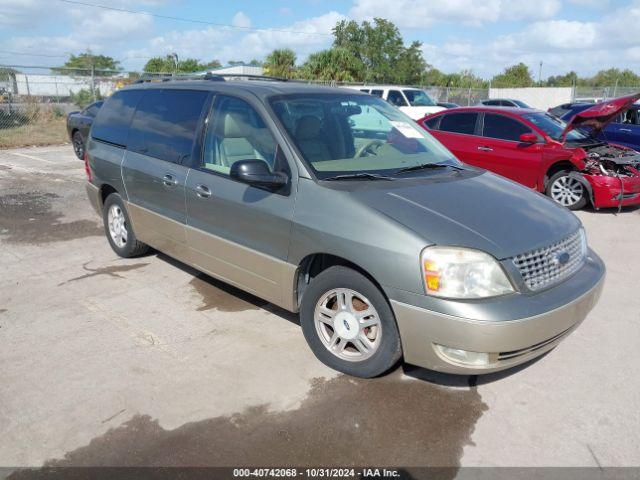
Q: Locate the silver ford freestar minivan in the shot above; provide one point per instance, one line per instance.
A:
(335, 204)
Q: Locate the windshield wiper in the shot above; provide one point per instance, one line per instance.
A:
(359, 175)
(426, 166)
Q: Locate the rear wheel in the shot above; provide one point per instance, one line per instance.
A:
(349, 324)
(78, 144)
(118, 228)
(567, 191)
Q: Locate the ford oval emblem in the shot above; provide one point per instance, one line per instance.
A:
(346, 325)
(561, 258)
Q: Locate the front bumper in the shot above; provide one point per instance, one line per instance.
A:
(508, 342)
(607, 190)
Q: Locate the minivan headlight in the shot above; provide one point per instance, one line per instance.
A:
(454, 272)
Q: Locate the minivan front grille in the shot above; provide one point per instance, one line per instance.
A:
(546, 266)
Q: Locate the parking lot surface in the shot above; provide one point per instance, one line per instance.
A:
(107, 361)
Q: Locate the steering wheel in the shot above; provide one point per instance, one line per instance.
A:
(367, 146)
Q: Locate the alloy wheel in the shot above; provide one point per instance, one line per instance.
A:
(117, 226)
(567, 191)
(347, 324)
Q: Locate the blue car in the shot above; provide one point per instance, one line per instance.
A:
(623, 130)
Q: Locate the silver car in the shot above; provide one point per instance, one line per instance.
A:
(336, 205)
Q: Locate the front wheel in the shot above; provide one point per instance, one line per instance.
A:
(349, 324)
(567, 191)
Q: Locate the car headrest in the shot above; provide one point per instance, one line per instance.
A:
(235, 125)
(308, 127)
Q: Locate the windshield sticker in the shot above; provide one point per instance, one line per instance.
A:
(405, 129)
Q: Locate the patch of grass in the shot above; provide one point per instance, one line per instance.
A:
(51, 130)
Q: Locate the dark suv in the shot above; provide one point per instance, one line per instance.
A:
(335, 204)
(79, 124)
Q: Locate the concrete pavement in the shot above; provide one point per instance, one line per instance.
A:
(106, 361)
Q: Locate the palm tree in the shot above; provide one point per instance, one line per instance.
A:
(280, 63)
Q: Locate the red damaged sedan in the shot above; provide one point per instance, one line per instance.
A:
(536, 149)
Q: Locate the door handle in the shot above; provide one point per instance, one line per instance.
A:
(485, 149)
(203, 191)
(624, 130)
(169, 181)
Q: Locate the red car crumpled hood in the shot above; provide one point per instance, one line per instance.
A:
(601, 114)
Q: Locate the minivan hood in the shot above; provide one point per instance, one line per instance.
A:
(601, 114)
(472, 209)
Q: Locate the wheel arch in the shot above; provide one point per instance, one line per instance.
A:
(558, 167)
(106, 190)
(315, 263)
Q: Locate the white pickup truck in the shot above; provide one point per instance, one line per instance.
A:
(413, 101)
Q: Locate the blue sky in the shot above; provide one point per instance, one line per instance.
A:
(484, 36)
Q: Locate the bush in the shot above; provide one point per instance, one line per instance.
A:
(84, 97)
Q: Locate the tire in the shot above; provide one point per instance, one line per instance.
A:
(127, 245)
(567, 191)
(380, 341)
(78, 144)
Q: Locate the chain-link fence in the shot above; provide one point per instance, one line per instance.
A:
(35, 101)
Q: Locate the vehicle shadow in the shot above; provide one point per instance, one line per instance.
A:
(464, 381)
(413, 371)
(225, 289)
(612, 211)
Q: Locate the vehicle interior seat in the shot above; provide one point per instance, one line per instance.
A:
(235, 140)
(310, 140)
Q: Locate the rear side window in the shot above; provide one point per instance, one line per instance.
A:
(376, 93)
(503, 128)
(432, 123)
(92, 110)
(164, 125)
(459, 122)
(111, 124)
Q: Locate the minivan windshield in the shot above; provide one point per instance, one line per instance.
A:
(419, 98)
(341, 134)
(553, 126)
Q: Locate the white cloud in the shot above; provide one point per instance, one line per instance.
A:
(240, 19)
(226, 43)
(419, 14)
(111, 26)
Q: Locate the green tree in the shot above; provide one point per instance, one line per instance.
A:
(280, 63)
(212, 65)
(331, 64)
(84, 63)
(566, 80)
(613, 76)
(379, 52)
(167, 64)
(410, 65)
(514, 76)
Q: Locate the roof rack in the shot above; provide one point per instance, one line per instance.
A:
(214, 77)
(220, 77)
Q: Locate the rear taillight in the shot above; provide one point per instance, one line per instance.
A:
(87, 168)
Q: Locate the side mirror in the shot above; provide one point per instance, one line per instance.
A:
(256, 172)
(529, 138)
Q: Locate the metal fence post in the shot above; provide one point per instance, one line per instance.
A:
(469, 97)
(93, 82)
